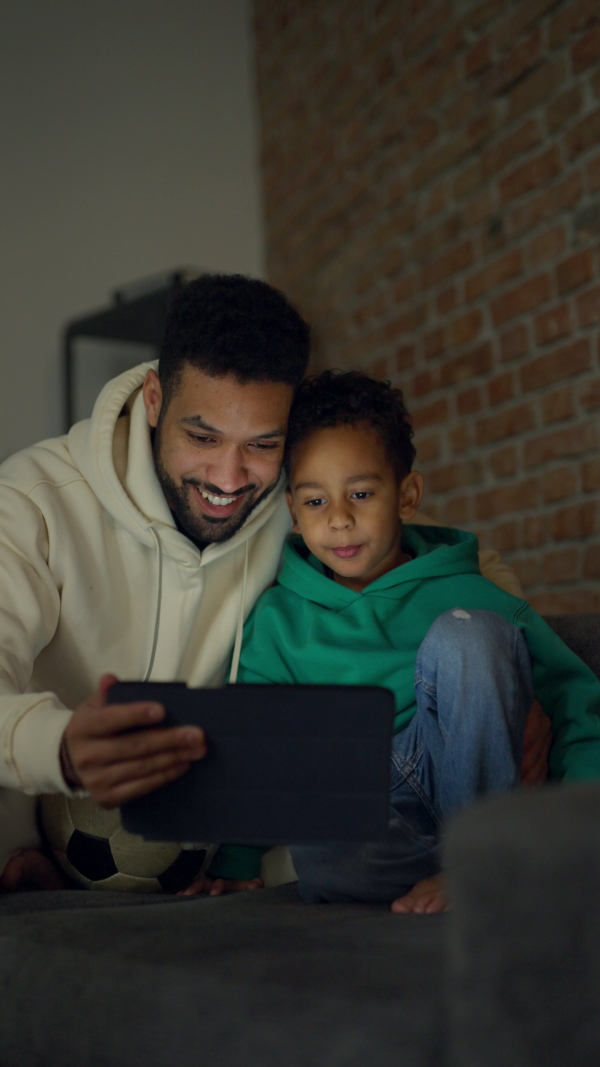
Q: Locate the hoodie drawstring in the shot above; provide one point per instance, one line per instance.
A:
(237, 648)
(158, 603)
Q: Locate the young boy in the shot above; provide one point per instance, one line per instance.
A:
(364, 599)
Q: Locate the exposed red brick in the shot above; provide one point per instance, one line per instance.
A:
(558, 405)
(465, 328)
(577, 520)
(535, 88)
(515, 342)
(424, 383)
(590, 475)
(588, 307)
(458, 511)
(514, 65)
(572, 441)
(431, 414)
(494, 274)
(469, 401)
(584, 135)
(459, 257)
(586, 51)
(405, 357)
(569, 603)
(546, 205)
(524, 297)
(434, 342)
(593, 175)
(501, 388)
(555, 366)
(565, 107)
(428, 448)
(454, 475)
(530, 174)
(459, 439)
(553, 324)
(524, 15)
(478, 57)
(589, 394)
(509, 423)
(575, 271)
(470, 365)
(535, 531)
(572, 17)
(548, 244)
(561, 565)
(505, 537)
(447, 300)
(504, 500)
(504, 461)
(558, 483)
(502, 153)
(591, 562)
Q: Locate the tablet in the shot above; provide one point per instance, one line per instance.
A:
(285, 764)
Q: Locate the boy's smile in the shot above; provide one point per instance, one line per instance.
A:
(348, 502)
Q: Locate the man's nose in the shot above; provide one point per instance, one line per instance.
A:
(228, 470)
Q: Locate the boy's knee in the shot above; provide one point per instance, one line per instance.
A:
(479, 633)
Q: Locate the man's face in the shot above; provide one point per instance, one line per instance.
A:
(218, 448)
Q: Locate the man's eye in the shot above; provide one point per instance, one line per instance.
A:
(264, 446)
(202, 439)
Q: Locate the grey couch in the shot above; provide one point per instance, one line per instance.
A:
(509, 977)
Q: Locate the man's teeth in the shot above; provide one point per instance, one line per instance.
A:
(220, 501)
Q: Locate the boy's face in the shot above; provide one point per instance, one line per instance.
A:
(348, 504)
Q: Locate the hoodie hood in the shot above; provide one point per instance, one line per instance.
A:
(438, 552)
(113, 451)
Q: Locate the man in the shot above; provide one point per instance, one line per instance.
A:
(138, 544)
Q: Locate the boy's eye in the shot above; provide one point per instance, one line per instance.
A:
(362, 494)
(314, 503)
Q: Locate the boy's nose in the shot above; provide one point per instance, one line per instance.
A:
(340, 520)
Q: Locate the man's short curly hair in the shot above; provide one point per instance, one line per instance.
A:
(230, 324)
(338, 398)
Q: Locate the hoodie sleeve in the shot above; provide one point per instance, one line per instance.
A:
(570, 694)
(31, 723)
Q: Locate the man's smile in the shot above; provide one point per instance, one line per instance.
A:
(218, 505)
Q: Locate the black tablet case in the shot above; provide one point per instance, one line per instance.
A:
(285, 764)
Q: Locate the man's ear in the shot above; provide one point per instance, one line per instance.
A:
(288, 497)
(409, 495)
(152, 394)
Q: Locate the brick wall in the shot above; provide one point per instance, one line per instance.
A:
(432, 198)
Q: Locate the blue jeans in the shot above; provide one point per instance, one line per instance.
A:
(473, 691)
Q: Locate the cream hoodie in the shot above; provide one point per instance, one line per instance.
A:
(95, 578)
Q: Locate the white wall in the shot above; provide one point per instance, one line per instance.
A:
(128, 146)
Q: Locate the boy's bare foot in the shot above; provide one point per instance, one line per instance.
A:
(425, 898)
(30, 869)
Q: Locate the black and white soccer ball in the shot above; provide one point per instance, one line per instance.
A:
(93, 849)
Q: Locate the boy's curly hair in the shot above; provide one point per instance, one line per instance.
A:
(336, 398)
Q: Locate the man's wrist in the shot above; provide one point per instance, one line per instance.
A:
(68, 771)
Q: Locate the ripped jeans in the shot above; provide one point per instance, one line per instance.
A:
(473, 691)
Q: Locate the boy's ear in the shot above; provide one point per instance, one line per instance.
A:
(288, 497)
(409, 495)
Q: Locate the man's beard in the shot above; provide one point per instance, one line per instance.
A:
(202, 529)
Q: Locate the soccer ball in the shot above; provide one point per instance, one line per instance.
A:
(93, 849)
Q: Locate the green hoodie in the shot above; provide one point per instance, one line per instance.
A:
(309, 629)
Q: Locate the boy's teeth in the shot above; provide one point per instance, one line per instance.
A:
(220, 501)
